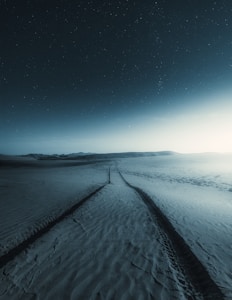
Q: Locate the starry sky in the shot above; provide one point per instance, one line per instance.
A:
(114, 76)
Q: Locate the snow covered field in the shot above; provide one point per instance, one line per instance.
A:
(116, 246)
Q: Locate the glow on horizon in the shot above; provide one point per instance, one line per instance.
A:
(206, 128)
(190, 133)
(186, 133)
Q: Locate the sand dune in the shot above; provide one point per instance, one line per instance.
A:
(108, 249)
(112, 246)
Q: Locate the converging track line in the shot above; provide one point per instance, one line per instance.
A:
(10, 255)
(193, 268)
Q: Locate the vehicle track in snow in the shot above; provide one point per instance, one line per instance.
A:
(183, 260)
(179, 252)
(11, 254)
(107, 249)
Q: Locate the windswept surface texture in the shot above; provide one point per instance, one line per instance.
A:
(134, 235)
(32, 194)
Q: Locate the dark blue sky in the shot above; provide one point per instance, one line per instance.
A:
(101, 76)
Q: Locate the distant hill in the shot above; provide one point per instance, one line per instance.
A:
(73, 159)
(81, 155)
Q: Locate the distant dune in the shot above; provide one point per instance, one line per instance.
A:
(82, 155)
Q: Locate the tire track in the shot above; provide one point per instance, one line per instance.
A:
(177, 247)
(10, 255)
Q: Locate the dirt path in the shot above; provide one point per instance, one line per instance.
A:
(112, 247)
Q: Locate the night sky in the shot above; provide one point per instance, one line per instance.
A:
(114, 76)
